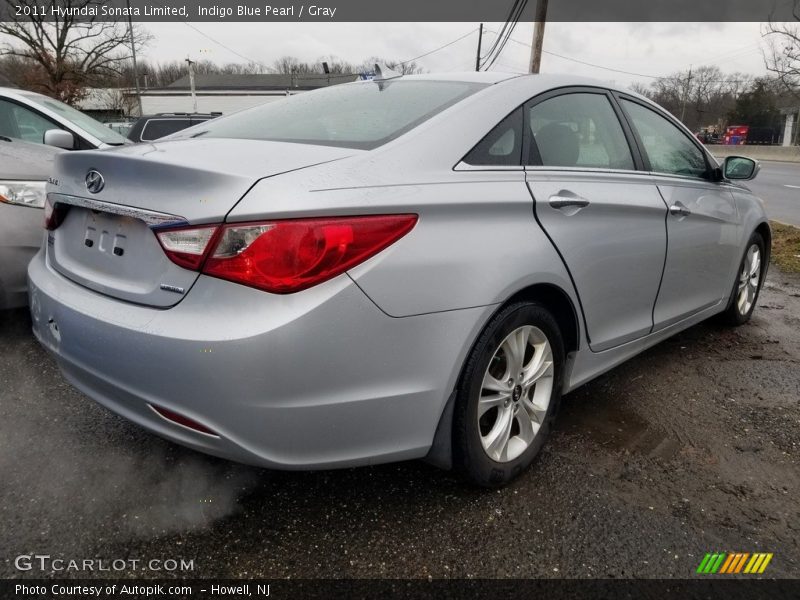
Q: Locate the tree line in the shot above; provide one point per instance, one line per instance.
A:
(705, 97)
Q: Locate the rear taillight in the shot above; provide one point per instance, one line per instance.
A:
(54, 214)
(187, 246)
(283, 257)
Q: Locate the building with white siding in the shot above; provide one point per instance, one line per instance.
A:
(230, 93)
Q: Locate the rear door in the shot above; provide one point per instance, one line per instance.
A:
(605, 217)
(702, 225)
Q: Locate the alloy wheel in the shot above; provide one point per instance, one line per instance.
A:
(749, 280)
(515, 393)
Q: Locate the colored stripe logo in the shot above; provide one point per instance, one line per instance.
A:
(733, 563)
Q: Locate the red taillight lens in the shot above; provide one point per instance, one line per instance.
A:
(54, 214)
(187, 246)
(288, 256)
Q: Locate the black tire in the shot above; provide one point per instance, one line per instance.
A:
(470, 458)
(733, 314)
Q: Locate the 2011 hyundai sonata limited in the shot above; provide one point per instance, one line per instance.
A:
(393, 269)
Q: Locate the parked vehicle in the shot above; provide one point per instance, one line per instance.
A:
(735, 135)
(123, 127)
(24, 168)
(41, 120)
(401, 268)
(153, 127)
(764, 136)
(708, 137)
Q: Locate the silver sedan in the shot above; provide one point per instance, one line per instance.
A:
(24, 168)
(410, 267)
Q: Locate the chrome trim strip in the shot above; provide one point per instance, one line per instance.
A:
(152, 218)
(462, 166)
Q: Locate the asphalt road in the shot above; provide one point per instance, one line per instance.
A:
(689, 448)
(778, 184)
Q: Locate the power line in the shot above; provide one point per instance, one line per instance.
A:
(229, 49)
(252, 60)
(516, 19)
(499, 35)
(470, 32)
(583, 62)
(505, 34)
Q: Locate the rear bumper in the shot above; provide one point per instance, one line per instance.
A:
(317, 379)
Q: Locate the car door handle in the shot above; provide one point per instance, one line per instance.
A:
(568, 201)
(678, 209)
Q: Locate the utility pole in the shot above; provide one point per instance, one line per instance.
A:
(133, 54)
(538, 36)
(191, 84)
(686, 93)
(478, 53)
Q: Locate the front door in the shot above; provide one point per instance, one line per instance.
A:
(702, 226)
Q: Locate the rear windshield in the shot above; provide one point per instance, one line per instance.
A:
(158, 128)
(358, 115)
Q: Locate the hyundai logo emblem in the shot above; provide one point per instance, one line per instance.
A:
(95, 182)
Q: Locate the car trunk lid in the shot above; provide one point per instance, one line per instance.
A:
(107, 239)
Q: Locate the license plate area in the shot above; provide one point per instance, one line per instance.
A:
(117, 255)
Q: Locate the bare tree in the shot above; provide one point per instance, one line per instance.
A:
(116, 100)
(782, 55)
(641, 88)
(290, 65)
(406, 68)
(704, 95)
(69, 53)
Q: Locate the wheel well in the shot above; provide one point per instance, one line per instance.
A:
(766, 233)
(559, 304)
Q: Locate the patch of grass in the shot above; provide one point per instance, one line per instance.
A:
(786, 246)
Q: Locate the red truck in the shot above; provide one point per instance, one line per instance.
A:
(744, 134)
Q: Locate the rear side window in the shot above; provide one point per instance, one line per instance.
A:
(502, 145)
(158, 128)
(668, 148)
(577, 130)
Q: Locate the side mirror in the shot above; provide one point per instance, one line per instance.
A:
(59, 138)
(739, 167)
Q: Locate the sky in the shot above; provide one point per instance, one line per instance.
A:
(646, 49)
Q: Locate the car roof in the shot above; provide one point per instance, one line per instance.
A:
(24, 160)
(542, 81)
(16, 92)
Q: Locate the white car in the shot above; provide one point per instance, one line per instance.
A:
(39, 119)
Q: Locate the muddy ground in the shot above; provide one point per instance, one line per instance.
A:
(689, 448)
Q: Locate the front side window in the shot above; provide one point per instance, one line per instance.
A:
(19, 122)
(577, 130)
(76, 117)
(668, 148)
(355, 115)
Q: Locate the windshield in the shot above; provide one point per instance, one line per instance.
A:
(357, 115)
(82, 120)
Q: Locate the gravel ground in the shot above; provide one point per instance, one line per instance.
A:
(689, 448)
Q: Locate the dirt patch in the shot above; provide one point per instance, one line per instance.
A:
(786, 246)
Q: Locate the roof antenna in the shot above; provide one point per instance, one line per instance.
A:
(382, 73)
